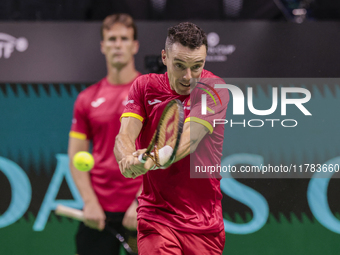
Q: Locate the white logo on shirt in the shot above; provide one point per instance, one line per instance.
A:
(98, 102)
(129, 102)
(155, 101)
(126, 101)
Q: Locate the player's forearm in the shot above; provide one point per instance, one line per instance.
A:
(123, 146)
(125, 140)
(186, 146)
(83, 183)
(192, 135)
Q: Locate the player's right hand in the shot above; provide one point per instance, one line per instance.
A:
(130, 167)
(149, 164)
(94, 216)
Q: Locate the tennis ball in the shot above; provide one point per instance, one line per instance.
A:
(83, 161)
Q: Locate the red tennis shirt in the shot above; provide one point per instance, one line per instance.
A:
(96, 117)
(172, 196)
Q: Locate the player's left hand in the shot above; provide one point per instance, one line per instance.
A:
(130, 217)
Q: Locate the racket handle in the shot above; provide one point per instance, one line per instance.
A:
(69, 212)
(164, 154)
(142, 158)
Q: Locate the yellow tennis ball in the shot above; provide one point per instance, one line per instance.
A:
(83, 161)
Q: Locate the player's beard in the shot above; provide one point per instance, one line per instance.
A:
(118, 64)
(182, 89)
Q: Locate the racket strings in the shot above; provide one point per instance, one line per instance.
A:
(167, 126)
(132, 242)
(168, 130)
(172, 129)
(168, 133)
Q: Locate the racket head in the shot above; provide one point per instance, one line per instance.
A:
(168, 133)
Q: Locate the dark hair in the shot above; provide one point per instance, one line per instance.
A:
(187, 34)
(121, 18)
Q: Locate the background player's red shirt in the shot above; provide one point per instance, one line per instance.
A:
(170, 196)
(96, 117)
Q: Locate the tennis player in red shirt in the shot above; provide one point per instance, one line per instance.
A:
(177, 214)
(106, 193)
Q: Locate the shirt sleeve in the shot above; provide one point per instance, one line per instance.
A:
(208, 103)
(80, 126)
(135, 106)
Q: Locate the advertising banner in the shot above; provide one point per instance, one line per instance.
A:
(280, 157)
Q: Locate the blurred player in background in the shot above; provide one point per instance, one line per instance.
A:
(176, 214)
(106, 193)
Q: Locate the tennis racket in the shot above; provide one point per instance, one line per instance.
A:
(165, 141)
(130, 248)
